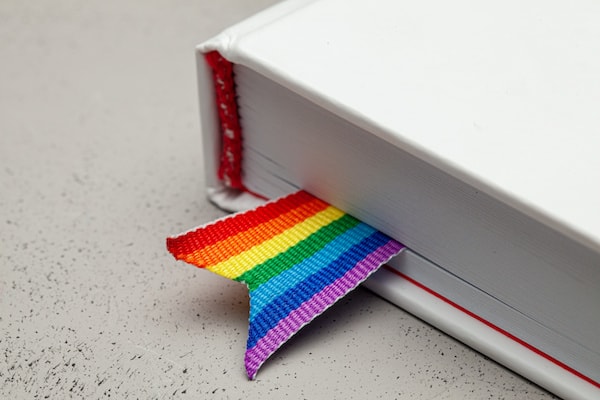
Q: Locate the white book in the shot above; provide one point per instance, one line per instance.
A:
(467, 130)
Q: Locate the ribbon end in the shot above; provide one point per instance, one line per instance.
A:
(251, 369)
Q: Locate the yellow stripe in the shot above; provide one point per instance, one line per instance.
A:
(237, 265)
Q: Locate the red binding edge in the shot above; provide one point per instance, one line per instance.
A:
(230, 161)
(496, 328)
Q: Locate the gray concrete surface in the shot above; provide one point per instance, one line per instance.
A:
(100, 160)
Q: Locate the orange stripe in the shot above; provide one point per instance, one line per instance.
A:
(243, 241)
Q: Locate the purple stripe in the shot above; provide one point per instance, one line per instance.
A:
(317, 304)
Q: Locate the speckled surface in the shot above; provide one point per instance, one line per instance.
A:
(99, 162)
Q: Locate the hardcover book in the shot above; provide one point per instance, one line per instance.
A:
(466, 130)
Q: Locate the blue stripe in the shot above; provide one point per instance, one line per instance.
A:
(262, 295)
(292, 298)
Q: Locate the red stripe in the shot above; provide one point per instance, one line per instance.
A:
(222, 229)
(241, 242)
(496, 328)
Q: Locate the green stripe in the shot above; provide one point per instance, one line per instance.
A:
(294, 255)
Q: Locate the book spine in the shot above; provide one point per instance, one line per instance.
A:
(230, 159)
(221, 132)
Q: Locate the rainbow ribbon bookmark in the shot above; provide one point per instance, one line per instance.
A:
(298, 255)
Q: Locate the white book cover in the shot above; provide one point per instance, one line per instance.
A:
(501, 95)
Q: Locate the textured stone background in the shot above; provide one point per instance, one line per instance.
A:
(100, 160)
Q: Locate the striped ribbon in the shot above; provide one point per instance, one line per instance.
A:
(298, 255)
